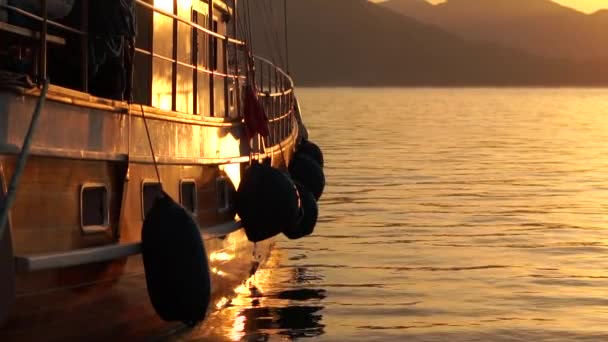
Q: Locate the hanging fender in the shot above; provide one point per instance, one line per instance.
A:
(308, 216)
(305, 170)
(175, 262)
(311, 150)
(266, 202)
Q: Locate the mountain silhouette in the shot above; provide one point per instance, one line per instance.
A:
(356, 42)
(541, 27)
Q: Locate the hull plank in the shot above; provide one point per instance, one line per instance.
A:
(109, 299)
(116, 303)
(46, 214)
(83, 140)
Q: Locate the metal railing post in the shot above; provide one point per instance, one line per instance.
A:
(174, 64)
(226, 79)
(43, 33)
(194, 61)
(84, 41)
(212, 61)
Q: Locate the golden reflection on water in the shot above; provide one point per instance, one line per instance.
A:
(221, 256)
(449, 215)
(229, 320)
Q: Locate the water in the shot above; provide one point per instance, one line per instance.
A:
(449, 215)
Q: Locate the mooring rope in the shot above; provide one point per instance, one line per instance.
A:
(151, 148)
(23, 155)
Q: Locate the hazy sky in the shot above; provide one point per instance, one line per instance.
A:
(582, 5)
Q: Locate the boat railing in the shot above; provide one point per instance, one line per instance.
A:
(44, 37)
(274, 85)
(276, 89)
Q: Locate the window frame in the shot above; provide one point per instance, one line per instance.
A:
(95, 229)
(142, 197)
(194, 193)
(222, 208)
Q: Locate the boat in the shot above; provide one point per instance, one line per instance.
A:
(105, 108)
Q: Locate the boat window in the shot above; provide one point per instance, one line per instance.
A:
(223, 197)
(150, 191)
(231, 96)
(94, 208)
(200, 15)
(162, 70)
(185, 54)
(214, 51)
(187, 195)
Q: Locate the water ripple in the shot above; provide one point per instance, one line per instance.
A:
(448, 215)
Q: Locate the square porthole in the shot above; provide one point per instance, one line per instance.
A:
(150, 191)
(187, 195)
(231, 97)
(94, 208)
(222, 195)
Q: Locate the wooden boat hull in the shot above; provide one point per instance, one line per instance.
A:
(117, 303)
(71, 283)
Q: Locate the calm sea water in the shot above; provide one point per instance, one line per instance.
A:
(449, 215)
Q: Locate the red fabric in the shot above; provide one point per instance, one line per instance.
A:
(256, 120)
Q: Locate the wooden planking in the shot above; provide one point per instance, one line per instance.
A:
(7, 266)
(117, 303)
(171, 175)
(46, 213)
(70, 277)
(106, 253)
(99, 288)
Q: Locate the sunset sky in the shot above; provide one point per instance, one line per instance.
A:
(585, 5)
(582, 5)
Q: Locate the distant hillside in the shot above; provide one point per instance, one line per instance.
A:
(355, 42)
(538, 26)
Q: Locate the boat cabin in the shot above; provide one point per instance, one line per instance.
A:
(112, 64)
(183, 60)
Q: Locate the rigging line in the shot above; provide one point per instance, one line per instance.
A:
(241, 12)
(249, 46)
(275, 31)
(268, 18)
(265, 30)
(249, 30)
(285, 29)
(245, 25)
(143, 114)
(242, 19)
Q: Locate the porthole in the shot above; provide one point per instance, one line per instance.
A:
(94, 208)
(223, 195)
(150, 191)
(187, 195)
(231, 98)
